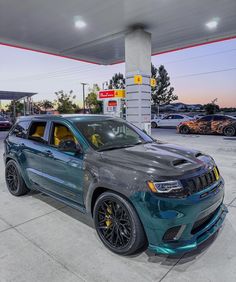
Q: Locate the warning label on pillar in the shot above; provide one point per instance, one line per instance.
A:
(138, 79)
(153, 82)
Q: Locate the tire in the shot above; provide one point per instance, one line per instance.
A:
(125, 238)
(229, 131)
(14, 180)
(184, 129)
(153, 124)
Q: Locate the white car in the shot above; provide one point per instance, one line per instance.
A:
(172, 120)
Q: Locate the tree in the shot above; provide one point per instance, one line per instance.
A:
(65, 102)
(117, 81)
(45, 104)
(162, 93)
(19, 106)
(211, 108)
(92, 102)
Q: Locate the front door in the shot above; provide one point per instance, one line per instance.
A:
(63, 171)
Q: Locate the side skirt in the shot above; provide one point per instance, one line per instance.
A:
(62, 199)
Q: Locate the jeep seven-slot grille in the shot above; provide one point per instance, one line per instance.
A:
(201, 182)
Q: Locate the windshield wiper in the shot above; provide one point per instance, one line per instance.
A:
(114, 147)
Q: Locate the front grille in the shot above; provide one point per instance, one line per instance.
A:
(201, 223)
(201, 182)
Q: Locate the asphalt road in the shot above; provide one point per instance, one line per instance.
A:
(44, 240)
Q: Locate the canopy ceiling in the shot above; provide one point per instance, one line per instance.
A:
(49, 25)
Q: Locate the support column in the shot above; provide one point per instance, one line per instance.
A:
(14, 110)
(27, 106)
(138, 91)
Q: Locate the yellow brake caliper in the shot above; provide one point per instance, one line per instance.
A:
(108, 217)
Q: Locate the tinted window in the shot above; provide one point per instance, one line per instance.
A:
(218, 118)
(37, 130)
(206, 118)
(60, 133)
(168, 117)
(177, 117)
(21, 128)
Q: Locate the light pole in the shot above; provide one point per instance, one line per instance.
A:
(83, 96)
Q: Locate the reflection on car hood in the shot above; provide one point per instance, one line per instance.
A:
(157, 158)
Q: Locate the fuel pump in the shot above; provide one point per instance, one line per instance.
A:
(113, 102)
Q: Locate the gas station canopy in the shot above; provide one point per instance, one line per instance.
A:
(13, 95)
(94, 30)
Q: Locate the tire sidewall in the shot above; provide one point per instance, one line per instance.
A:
(184, 128)
(19, 191)
(229, 127)
(153, 124)
(133, 243)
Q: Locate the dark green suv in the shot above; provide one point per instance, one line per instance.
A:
(140, 192)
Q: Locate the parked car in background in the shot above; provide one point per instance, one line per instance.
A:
(5, 124)
(171, 120)
(210, 124)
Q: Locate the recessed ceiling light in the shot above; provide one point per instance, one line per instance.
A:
(79, 22)
(212, 24)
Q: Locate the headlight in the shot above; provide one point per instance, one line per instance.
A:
(171, 186)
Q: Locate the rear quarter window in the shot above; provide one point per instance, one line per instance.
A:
(37, 131)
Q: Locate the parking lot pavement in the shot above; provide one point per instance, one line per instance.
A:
(43, 240)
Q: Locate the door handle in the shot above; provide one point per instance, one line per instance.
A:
(74, 163)
(49, 153)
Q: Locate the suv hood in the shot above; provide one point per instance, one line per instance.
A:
(161, 159)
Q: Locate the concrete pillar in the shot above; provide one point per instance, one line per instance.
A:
(27, 106)
(14, 110)
(138, 93)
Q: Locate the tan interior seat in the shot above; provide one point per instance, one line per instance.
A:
(62, 133)
(39, 131)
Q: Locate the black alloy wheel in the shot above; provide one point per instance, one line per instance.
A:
(229, 131)
(184, 129)
(118, 225)
(14, 180)
(153, 124)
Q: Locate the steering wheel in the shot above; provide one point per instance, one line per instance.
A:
(120, 134)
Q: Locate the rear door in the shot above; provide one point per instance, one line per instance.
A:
(63, 172)
(31, 148)
(218, 123)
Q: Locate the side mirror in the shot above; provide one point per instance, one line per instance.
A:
(69, 146)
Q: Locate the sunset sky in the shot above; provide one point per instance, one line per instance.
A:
(198, 74)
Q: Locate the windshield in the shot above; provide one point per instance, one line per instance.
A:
(109, 134)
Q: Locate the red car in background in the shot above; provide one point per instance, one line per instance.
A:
(210, 124)
(5, 124)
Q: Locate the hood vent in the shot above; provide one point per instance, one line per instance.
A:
(179, 162)
(198, 155)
